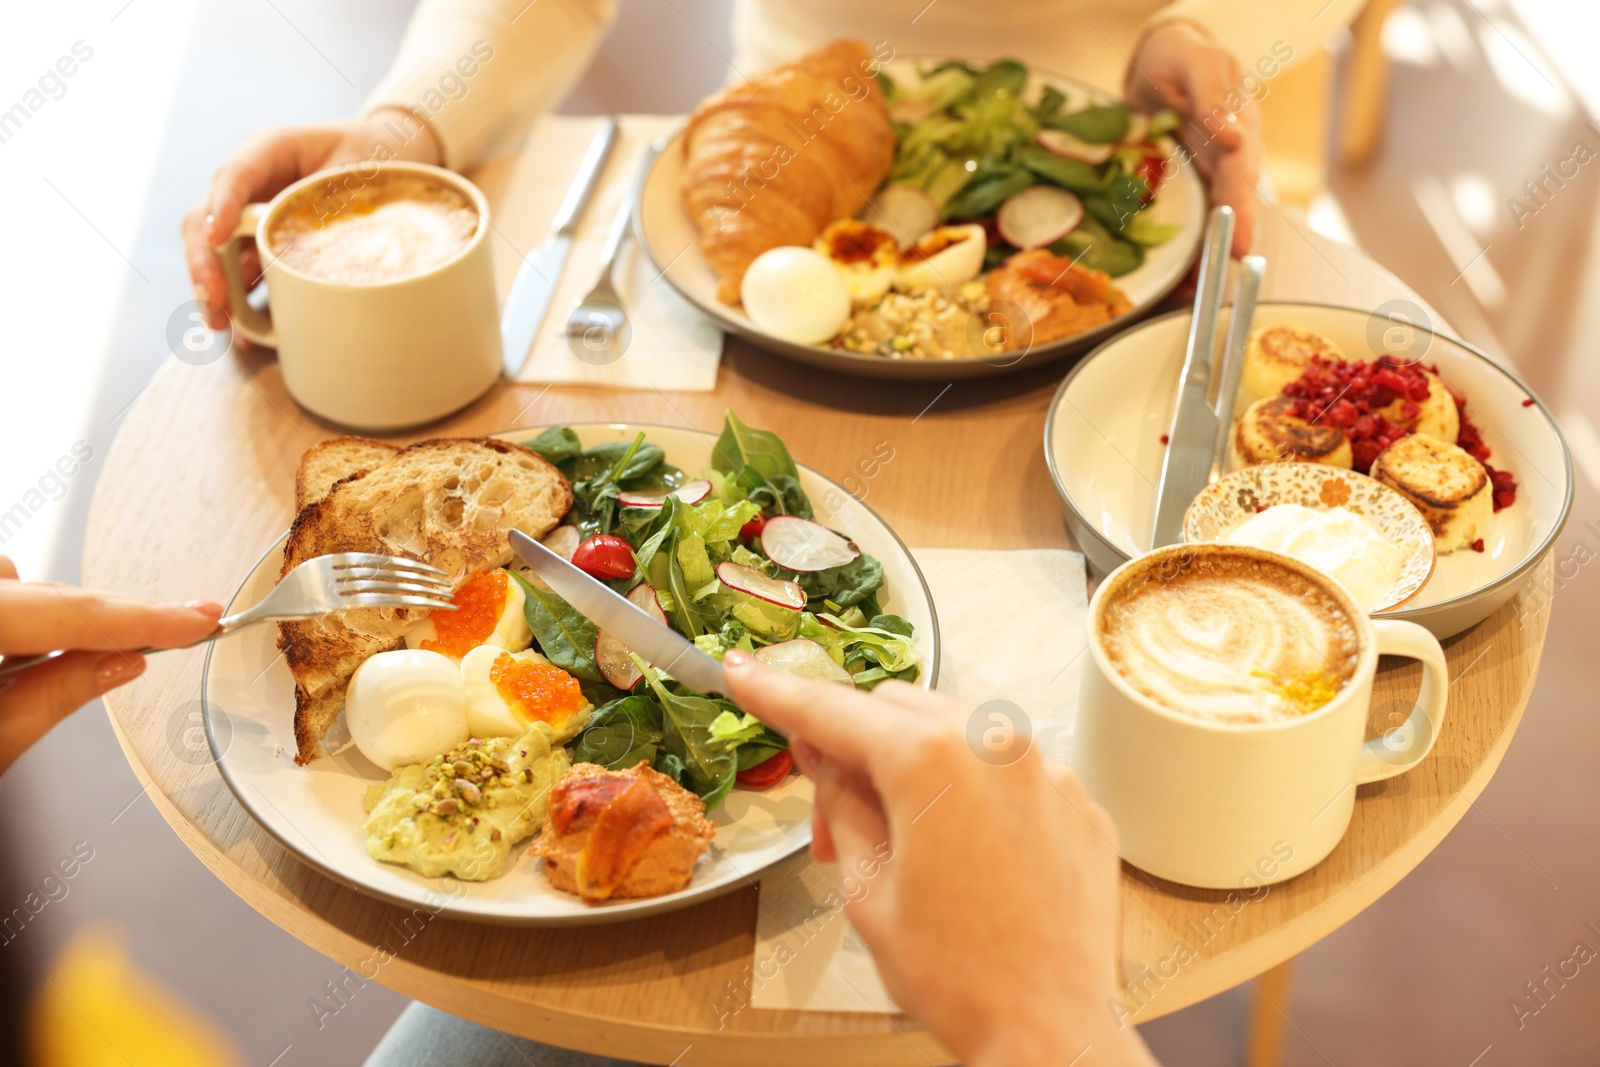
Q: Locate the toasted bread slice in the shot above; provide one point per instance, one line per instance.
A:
(334, 460)
(1450, 488)
(1277, 355)
(450, 502)
(1268, 433)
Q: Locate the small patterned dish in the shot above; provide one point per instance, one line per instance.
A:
(1232, 499)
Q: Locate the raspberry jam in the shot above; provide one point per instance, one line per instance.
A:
(1361, 398)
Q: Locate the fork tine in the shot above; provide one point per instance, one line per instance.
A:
(351, 586)
(341, 560)
(394, 600)
(385, 574)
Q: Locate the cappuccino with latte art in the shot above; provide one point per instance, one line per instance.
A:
(1229, 638)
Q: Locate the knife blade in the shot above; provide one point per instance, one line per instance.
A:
(656, 643)
(1186, 467)
(540, 273)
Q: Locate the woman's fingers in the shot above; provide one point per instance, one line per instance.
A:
(844, 724)
(36, 617)
(32, 704)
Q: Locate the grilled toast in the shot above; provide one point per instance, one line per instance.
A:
(450, 502)
(1268, 433)
(333, 461)
(1450, 488)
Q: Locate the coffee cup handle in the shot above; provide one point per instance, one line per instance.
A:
(1404, 747)
(247, 322)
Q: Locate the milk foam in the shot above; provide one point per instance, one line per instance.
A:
(394, 229)
(1196, 643)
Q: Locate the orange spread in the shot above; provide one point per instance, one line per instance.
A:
(622, 831)
(534, 690)
(856, 243)
(478, 603)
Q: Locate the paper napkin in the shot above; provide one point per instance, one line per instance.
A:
(1012, 633)
(673, 346)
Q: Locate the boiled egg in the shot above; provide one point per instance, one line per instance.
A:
(405, 707)
(795, 294)
(504, 693)
(946, 255)
(864, 256)
(488, 612)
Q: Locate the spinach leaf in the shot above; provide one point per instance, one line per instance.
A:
(780, 495)
(846, 585)
(892, 623)
(740, 447)
(1097, 125)
(1095, 247)
(708, 766)
(558, 444)
(602, 458)
(985, 197)
(565, 637)
(621, 733)
(1051, 101)
(1068, 173)
(1005, 76)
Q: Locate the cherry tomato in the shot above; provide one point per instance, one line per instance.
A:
(752, 529)
(768, 772)
(1153, 169)
(604, 556)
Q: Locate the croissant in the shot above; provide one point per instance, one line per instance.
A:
(774, 160)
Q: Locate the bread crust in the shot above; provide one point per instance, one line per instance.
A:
(448, 502)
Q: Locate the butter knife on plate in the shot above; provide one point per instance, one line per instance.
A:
(656, 643)
(540, 273)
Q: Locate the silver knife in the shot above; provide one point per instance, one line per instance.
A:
(540, 272)
(659, 645)
(1186, 468)
(1251, 270)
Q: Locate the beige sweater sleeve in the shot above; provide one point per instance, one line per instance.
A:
(1265, 35)
(480, 71)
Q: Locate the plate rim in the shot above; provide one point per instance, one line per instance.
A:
(684, 898)
(850, 361)
(1523, 566)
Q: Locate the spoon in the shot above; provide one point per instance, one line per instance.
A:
(598, 331)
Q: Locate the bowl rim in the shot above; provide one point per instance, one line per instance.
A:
(1523, 566)
(1433, 552)
(850, 361)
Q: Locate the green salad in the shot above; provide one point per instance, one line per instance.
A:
(976, 140)
(731, 558)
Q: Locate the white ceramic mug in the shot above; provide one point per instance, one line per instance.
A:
(1228, 805)
(385, 356)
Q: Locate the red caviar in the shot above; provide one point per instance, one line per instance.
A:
(535, 690)
(478, 601)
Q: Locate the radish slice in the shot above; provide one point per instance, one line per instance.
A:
(1039, 215)
(1138, 128)
(903, 210)
(563, 541)
(1065, 145)
(615, 661)
(742, 579)
(612, 656)
(690, 493)
(644, 595)
(805, 658)
(802, 545)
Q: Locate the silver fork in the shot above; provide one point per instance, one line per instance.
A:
(320, 586)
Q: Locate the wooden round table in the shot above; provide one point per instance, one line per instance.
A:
(200, 481)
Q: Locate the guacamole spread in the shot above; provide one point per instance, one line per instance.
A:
(461, 813)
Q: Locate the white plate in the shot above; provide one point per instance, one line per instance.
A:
(316, 811)
(1102, 442)
(670, 238)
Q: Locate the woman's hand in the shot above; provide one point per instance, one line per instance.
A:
(100, 629)
(1178, 66)
(268, 162)
(990, 892)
